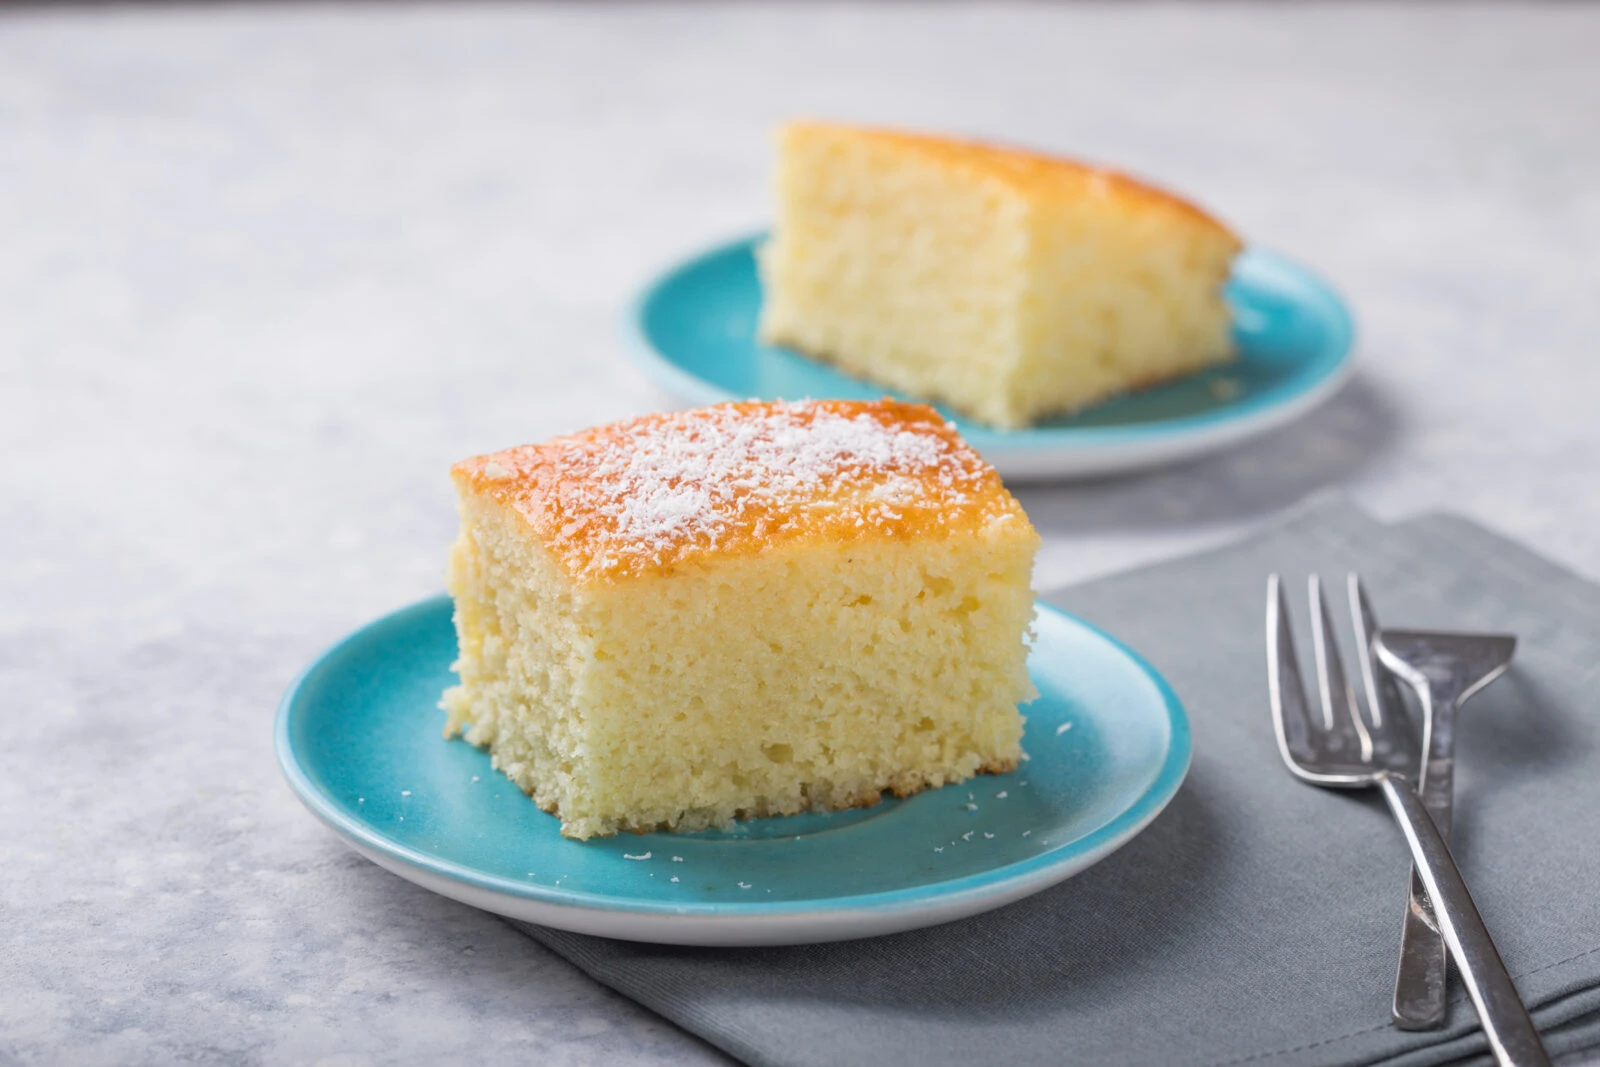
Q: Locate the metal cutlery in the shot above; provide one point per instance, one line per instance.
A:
(1444, 669)
(1341, 748)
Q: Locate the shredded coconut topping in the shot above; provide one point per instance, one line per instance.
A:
(690, 476)
(621, 498)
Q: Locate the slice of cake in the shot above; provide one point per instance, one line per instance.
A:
(744, 610)
(1010, 286)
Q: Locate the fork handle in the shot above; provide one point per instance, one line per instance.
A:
(1512, 1038)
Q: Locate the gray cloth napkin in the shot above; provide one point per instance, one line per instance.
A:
(1257, 920)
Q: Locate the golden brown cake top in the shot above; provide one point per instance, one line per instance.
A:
(1028, 173)
(647, 495)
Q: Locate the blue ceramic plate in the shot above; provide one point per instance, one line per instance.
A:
(358, 737)
(695, 329)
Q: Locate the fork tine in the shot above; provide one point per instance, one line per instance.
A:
(1290, 713)
(1339, 705)
(1392, 736)
(1366, 624)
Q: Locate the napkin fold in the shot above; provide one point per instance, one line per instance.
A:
(1257, 920)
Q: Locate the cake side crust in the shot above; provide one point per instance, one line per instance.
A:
(521, 654)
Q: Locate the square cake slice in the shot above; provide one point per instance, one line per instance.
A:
(744, 610)
(1009, 285)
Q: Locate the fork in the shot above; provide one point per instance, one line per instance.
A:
(1340, 749)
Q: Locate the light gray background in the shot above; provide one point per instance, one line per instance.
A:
(264, 272)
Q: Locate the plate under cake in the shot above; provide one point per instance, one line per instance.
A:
(357, 738)
(695, 332)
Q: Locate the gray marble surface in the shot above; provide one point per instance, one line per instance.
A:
(265, 271)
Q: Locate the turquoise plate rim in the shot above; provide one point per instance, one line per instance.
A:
(1103, 839)
(1324, 371)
